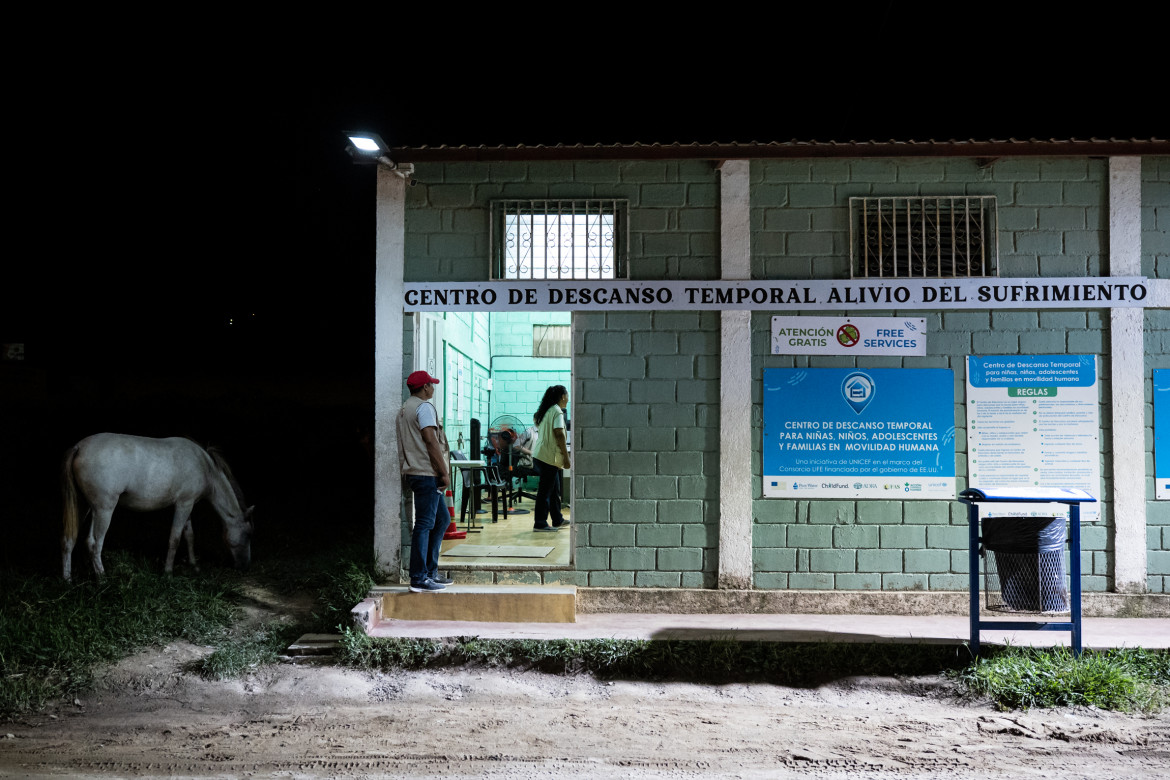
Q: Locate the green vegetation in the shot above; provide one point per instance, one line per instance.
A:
(716, 661)
(1024, 677)
(53, 634)
(337, 579)
(1015, 678)
(237, 655)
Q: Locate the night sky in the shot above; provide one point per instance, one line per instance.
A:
(191, 250)
(211, 215)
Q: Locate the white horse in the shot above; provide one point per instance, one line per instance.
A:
(146, 474)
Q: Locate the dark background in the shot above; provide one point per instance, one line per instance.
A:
(193, 250)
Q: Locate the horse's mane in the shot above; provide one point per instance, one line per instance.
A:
(218, 459)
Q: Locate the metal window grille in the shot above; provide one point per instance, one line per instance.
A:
(559, 239)
(551, 341)
(945, 237)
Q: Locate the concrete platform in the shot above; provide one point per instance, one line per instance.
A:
(1098, 633)
(480, 603)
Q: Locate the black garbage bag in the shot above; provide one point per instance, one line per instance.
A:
(1029, 559)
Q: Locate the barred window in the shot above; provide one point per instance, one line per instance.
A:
(943, 237)
(559, 239)
(551, 341)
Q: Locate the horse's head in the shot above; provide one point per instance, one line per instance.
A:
(238, 537)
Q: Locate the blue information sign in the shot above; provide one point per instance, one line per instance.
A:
(1162, 433)
(859, 433)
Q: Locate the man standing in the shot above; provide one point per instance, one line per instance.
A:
(423, 453)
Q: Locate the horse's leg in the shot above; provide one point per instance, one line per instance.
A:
(189, 536)
(67, 557)
(97, 535)
(178, 525)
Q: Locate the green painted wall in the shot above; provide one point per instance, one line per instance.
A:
(1052, 216)
(519, 379)
(1156, 262)
(646, 388)
(646, 438)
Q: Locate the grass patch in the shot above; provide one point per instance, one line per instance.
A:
(1024, 677)
(1015, 678)
(338, 578)
(713, 661)
(239, 655)
(53, 634)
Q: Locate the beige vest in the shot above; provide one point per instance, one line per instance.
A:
(412, 448)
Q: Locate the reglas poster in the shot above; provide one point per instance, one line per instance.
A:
(859, 433)
(1034, 421)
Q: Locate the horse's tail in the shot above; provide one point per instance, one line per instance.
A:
(69, 497)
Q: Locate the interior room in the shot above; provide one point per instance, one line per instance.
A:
(494, 369)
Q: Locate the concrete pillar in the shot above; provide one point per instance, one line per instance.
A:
(1128, 377)
(389, 262)
(735, 390)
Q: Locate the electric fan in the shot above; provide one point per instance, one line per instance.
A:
(502, 435)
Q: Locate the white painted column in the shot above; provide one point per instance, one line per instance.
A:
(735, 384)
(1127, 360)
(388, 377)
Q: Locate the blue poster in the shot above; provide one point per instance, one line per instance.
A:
(859, 433)
(1162, 433)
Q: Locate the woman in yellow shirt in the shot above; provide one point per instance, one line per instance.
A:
(551, 455)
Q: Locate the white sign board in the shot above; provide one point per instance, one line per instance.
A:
(1033, 421)
(848, 336)
(777, 295)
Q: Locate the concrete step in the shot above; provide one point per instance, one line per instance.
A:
(479, 603)
(314, 645)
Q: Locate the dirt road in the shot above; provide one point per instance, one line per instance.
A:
(149, 719)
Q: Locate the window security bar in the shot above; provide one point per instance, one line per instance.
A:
(946, 237)
(559, 239)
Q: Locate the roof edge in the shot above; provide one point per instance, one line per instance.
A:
(1073, 147)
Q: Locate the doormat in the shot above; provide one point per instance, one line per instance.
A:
(496, 551)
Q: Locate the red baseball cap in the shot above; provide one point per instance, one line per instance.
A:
(420, 378)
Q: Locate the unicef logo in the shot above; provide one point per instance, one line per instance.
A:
(858, 390)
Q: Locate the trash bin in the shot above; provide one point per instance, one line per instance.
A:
(1028, 562)
(1027, 555)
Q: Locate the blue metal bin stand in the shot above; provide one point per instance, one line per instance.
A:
(1073, 498)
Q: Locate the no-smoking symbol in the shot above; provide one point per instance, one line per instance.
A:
(848, 335)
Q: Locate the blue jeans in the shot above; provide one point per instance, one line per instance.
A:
(430, 523)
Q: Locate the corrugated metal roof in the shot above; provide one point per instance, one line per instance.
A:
(1011, 147)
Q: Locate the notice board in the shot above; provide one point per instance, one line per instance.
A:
(1034, 420)
(859, 433)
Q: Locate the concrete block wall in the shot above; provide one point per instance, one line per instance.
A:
(674, 218)
(519, 379)
(1156, 262)
(646, 448)
(1052, 212)
(1052, 222)
(645, 393)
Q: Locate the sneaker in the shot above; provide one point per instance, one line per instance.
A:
(546, 528)
(427, 586)
(439, 578)
(561, 524)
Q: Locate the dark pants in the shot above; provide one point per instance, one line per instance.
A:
(430, 523)
(548, 494)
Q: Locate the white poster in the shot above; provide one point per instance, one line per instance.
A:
(1034, 421)
(848, 336)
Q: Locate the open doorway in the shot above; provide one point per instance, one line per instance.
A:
(495, 368)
